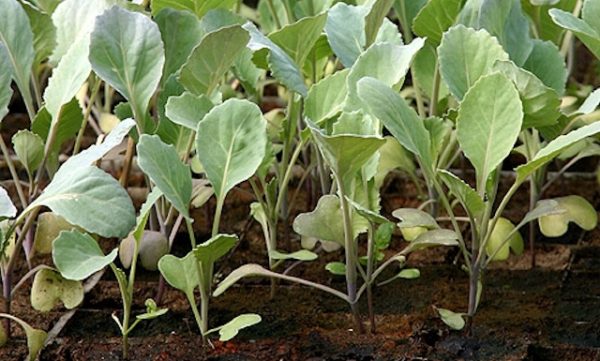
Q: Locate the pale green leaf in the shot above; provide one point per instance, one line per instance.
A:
(29, 147)
(209, 252)
(435, 18)
(77, 255)
(49, 226)
(6, 91)
(392, 155)
(326, 98)
(7, 208)
(453, 320)
(231, 142)
(233, 327)
(582, 28)
(502, 239)
(188, 109)
(375, 18)
(547, 63)
(44, 33)
(301, 255)
(488, 124)
(345, 30)
(49, 289)
(467, 196)
(433, 238)
(198, 7)
(35, 338)
(336, 268)
(181, 273)
(298, 39)
(574, 209)
(412, 217)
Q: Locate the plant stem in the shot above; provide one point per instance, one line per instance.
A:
(191, 234)
(273, 12)
(435, 92)
(86, 115)
(13, 173)
(217, 218)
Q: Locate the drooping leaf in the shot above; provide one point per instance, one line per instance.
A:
(326, 98)
(452, 319)
(399, 118)
(180, 32)
(298, 39)
(89, 198)
(126, 51)
(586, 28)
(574, 209)
(231, 141)
(35, 338)
(212, 58)
(163, 166)
(283, 67)
(488, 124)
(188, 109)
(49, 289)
(181, 273)
(198, 7)
(209, 252)
(17, 40)
(29, 147)
(435, 18)
(345, 30)
(7, 208)
(77, 255)
(233, 327)
(465, 55)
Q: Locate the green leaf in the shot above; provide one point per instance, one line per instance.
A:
(77, 255)
(465, 55)
(283, 67)
(209, 252)
(161, 163)
(180, 273)
(412, 217)
(398, 117)
(540, 103)
(345, 29)
(17, 39)
(230, 143)
(152, 311)
(409, 273)
(6, 91)
(326, 98)
(385, 62)
(366, 213)
(467, 196)
(74, 21)
(35, 338)
(582, 28)
(126, 51)
(212, 58)
(298, 39)
(49, 226)
(180, 31)
(29, 147)
(336, 268)
(246, 270)
(453, 320)
(233, 327)
(502, 239)
(488, 124)
(301, 255)
(50, 289)
(188, 109)
(547, 63)
(392, 155)
(198, 7)
(554, 148)
(574, 209)
(44, 33)
(324, 222)
(378, 11)
(7, 208)
(423, 70)
(89, 198)
(435, 18)
(433, 238)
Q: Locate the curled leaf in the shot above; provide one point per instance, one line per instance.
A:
(576, 209)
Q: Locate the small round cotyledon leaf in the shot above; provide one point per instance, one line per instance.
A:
(29, 147)
(233, 327)
(499, 245)
(77, 255)
(576, 209)
(181, 273)
(50, 289)
(454, 320)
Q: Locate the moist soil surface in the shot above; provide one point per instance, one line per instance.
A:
(549, 313)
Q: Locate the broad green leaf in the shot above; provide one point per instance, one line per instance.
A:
(209, 252)
(220, 18)
(423, 70)
(74, 21)
(230, 143)
(346, 154)
(301, 255)
(188, 109)
(180, 32)
(49, 226)
(17, 40)
(97, 151)
(488, 124)
(435, 18)
(389, 33)
(582, 28)
(29, 147)
(91, 199)
(498, 246)
(467, 196)
(452, 319)
(247, 72)
(233, 327)
(554, 148)
(407, 10)
(345, 30)
(392, 155)
(163, 166)
(126, 51)
(373, 21)
(198, 7)
(546, 62)
(35, 338)
(44, 33)
(385, 62)
(412, 217)
(433, 238)
(398, 117)
(6, 91)
(283, 67)
(298, 39)
(575, 209)
(49, 289)
(336, 268)
(324, 222)
(465, 55)
(326, 98)
(77, 255)
(540, 103)
(7, 208)
(212, 58)
(181, 273)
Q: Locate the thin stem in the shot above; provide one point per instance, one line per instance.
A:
(13, 173)
(217, 218)
(86, 116)
(273, 12)
(435, 92)
(191, 234)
